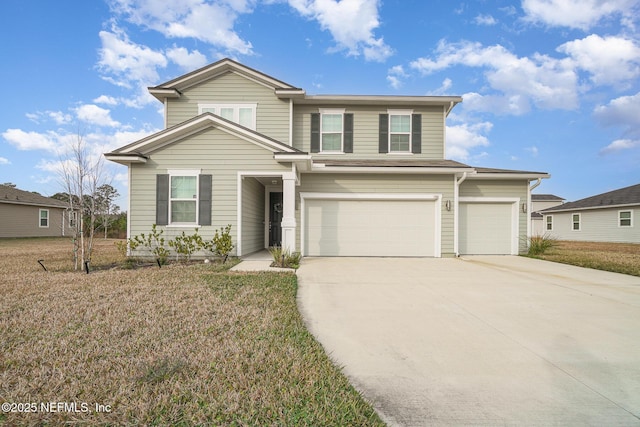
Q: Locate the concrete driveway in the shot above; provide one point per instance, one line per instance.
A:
(480, 341)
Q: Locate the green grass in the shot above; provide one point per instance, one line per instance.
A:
(188, 344)
(616, 257)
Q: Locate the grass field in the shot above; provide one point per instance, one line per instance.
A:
(617, 257)
(182, 345)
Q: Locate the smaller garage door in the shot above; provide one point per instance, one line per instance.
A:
(347, 227)
(486, 228)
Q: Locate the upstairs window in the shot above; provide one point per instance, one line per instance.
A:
(243, 114)
(549, 224)
(331, 128)
(399, 133)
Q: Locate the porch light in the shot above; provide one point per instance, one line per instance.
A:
(524, 208)
(447, 205)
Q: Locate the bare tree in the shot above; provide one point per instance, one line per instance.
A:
(82, 175)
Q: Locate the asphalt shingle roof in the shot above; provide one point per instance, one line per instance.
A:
(621, 197)
(20, 197)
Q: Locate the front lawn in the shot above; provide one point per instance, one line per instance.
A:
(182, 345)
(617, 257)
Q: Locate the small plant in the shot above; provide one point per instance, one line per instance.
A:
(539, 244)
(221, 244)
(187, 245)
(152, 242)
(284, 258)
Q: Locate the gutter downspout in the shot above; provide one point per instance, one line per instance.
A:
(456, 191)
(539, 180)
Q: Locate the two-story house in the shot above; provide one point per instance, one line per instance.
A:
(325, 175)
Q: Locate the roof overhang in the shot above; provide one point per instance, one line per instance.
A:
(386, 100)
(510, 175)
(125, 159)
(138, 151)
(590, 208)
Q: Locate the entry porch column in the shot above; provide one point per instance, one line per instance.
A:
(289, 211)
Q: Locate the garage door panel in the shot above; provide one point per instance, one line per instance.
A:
(369, 228)
(486, 228)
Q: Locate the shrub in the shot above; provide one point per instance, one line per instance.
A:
(152, 242)
(187, 245)
(284, 258)
(539, 244)
(221, 244)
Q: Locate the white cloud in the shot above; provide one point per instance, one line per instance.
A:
(395, 76)
(443, 89)
(463, 138)
(546, 82)
(59, 117)
(351, 23)
(27, 141)
(106, 100)
(487, 20)
(533, 150)
(4, 161)
(620, 145)
(622, 111)
(95, 115)
(581, 14)
(185, 59)
(125, 62)
(610, 60)
(210, 22)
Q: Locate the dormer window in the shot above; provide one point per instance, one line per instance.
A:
(243, 114)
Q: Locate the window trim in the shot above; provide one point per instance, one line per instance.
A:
(548, 221)
(180, 173)
(574, 222)
(72, 218)
(409, 133)
(332, 111)
(40, 218)
(630, 219)
(236, 106)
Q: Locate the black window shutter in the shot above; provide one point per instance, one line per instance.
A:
(383, 142)
(315, 132)
(416, 133)
(348, 133)
(162, 199)
(204, 200)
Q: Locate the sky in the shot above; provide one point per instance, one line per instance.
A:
(547, 85)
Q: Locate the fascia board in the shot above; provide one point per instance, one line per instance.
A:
(509, 176)
(390, 170)
(590, 208)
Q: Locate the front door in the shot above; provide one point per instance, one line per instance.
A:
(275, 219)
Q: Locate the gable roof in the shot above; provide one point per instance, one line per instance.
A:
(627, 196)
(11, 195)
(173, 88)
(137, 151)
(546, 198)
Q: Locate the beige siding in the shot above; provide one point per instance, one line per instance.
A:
(357, 183)
(272, 115)
(598, 225)
(495, 188)
(252, 216)
(24, 221)
(365, 131)
(213, 152)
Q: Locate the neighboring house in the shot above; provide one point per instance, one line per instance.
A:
(25, 214)
(325, 175)
(606, 217)
(540, 202)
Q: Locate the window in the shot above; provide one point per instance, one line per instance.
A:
(243, 114)
(575, 222)
(44, 218)
(331, 129)
(549, 223)
(399, 133)
(183, 199)
(73, 217)
(625, 219)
